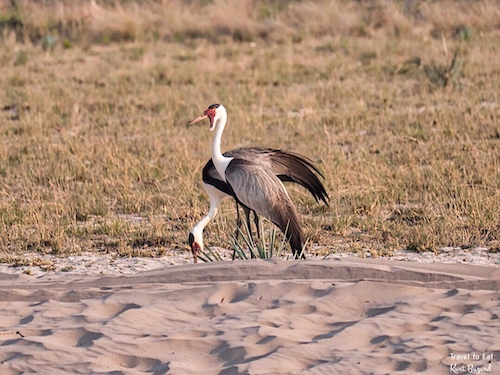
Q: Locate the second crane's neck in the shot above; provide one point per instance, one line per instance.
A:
(220, 161)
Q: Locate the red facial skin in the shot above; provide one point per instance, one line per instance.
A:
(210, 113)
(195, 249)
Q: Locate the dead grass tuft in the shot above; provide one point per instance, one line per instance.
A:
(95, 153)
(249, 20)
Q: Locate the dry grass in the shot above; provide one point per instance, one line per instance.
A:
(95, 153)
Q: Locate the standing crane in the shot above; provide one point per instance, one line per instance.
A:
(254, 178)
(287, 166)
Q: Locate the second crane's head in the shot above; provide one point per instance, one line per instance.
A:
(214, 113)
(196, 242)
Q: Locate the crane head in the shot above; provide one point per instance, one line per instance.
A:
(196, 246)
(211, 113)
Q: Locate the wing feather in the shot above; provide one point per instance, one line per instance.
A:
(260, 190)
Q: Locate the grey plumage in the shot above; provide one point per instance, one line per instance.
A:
(260, 189)
(282, 166)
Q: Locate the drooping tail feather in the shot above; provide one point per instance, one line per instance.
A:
(289, 223)
(301, 171)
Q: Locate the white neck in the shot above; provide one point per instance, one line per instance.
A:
(215, 198)
(214, 207)
(197, 230)
(221, 162)
(200, 225)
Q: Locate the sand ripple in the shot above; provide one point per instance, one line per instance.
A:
(256, 317)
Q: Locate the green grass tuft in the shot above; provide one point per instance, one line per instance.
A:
(245, 246)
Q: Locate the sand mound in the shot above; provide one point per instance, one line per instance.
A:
(258, 317)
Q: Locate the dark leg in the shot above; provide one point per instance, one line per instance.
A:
(238, 227)
(247, 216)
(238, 221)
(257, 223)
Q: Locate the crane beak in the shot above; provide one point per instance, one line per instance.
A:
(210, 114)
(203, 116)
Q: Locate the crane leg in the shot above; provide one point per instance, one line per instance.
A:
(238, 227)
(257, 223)
(238, 221)
(249, 227)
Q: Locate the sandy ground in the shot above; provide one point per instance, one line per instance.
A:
(342, 315)
(94, 263)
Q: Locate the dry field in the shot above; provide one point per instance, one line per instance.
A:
(395, 101)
